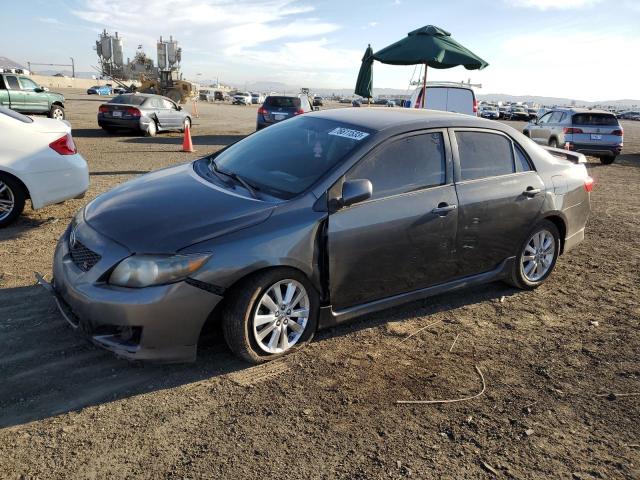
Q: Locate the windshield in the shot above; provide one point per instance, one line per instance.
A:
(282, 102)
(287, 158)
(15, 115)
(595, 119)
(129, 99)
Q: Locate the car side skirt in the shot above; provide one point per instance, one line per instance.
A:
(330, 318)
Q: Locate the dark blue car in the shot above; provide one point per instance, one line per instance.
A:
(281, 107)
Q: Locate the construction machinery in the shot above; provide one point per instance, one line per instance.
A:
(163, 79)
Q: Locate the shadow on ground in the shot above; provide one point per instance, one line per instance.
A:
(196, 139)
(47, 369)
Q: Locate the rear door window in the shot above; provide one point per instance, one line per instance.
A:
(601, 119)
(12, 82)
(522, 161)
(404, 165)
(484, 154)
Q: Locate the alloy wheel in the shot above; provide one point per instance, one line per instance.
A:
(58, 114)
(7, 200)
(281, 316)
(537, 258)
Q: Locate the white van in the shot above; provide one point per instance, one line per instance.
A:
(449, 97)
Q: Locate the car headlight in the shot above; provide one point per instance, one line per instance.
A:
(145, 270)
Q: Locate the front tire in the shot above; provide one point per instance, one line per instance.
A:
(537, 257)
(12, 198)
(56, 112)
(270, 314)
(607, 160)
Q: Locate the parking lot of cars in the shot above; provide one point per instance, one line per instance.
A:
(552, 359)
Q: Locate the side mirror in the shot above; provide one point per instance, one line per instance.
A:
(355, 191)
(179, 108)
(38, 89)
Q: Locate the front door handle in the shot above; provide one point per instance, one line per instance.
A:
(443, 208)
(531, 192)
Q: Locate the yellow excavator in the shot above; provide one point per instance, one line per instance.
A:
(177, 90)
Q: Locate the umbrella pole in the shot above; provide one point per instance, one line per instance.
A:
(424, 87)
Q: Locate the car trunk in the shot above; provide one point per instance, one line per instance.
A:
(596, 129)
(120, 111)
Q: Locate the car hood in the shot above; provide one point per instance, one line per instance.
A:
(170, 209)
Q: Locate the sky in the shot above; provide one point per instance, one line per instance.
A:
(582, 49)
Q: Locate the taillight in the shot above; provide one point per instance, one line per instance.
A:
(569, 130)
(263, 111)
(618, 133)
(475, 106)
(588, 184)
(64, 145)
(133, 112)
(299, 112)
(103, 109)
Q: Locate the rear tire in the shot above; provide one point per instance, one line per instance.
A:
(56, 112)
(152, 129)
(187, 122)
(607, 160)
(553, 142)
(12, 198)
(536, 258)
(247, 302)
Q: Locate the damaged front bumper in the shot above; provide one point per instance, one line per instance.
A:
(154, 323)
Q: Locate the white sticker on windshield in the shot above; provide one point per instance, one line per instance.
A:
(348, 133)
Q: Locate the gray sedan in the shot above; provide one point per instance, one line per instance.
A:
(311, 223)
(145, 113)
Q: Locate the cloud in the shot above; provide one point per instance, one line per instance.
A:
(553, 4)
(373, 24)
(53, 21)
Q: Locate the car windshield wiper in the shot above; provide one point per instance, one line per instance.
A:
(213, 166)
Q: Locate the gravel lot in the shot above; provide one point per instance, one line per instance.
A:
(551, 360)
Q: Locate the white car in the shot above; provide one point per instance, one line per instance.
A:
(38, 160)
(242, 98)
(446, 96)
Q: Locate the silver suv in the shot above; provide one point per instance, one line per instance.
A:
(592, 132)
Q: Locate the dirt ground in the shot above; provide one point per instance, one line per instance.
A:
(558, 363)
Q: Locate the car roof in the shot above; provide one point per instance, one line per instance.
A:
(145, 95)
(582, 110)
(382, 119)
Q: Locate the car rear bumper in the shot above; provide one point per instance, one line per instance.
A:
(160, 323)
(123, 123)
(48, 187)
(597, 150)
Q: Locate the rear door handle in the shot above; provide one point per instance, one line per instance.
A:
(443, 209)
(531, 192)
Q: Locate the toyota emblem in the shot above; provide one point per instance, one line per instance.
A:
(72, 238)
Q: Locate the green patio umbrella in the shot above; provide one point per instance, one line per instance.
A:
(429, 45)
(364, 84)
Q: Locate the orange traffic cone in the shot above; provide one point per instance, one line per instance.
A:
(187, 146)
(194, 109)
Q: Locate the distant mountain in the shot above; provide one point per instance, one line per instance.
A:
(66, 73)
(8, 63)
(552, 101)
